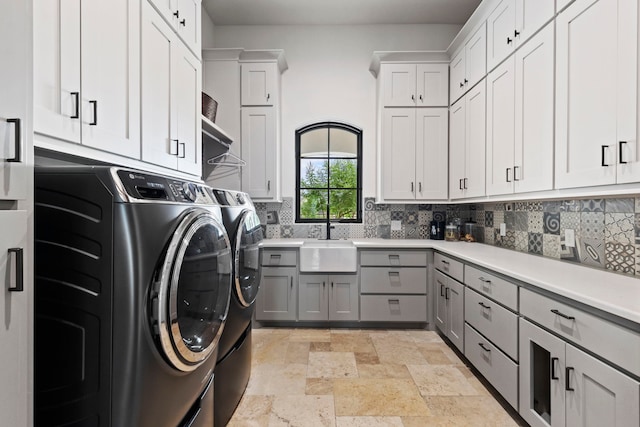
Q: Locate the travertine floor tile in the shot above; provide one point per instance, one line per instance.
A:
(354, 343)
(310, 335)
(275, 379)
(302, 411)
(269, 348)
(368, 422)
(396, 349)
(320, 346)
(252, 411)
(441, 381)
(367, 358)
(377, 397)
(319, 386)
(383, 371)
(297, 352)
(332, 365)
(472, 407)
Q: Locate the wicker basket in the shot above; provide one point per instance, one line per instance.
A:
(209, 107)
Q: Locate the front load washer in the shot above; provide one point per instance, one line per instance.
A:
(133, 281)
(233, 367)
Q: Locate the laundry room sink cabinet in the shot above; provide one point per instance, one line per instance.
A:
(278, 293)
(328, 297)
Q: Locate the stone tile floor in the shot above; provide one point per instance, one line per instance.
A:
(363, 378)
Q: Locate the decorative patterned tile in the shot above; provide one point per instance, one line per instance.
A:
(535, 222)
(619, 227)
(316, 231)
(521, 221)
(272, 217)
(397, 207)
(488, 218)
(384, 231)
(411, 208)
(425, 207)
(356, 231)
(520, 206)
(260, 206)
(510, 220)
(411, 232)
(370, 217)
(383, 217)
(551, 246)
(301, 231)
(570, 206)
(569, 220)
(370, 231)
(479, 218)
(637, 260)
(498, 218)
(592, 205)
(568, 253)
(499, 207)
(382, 207)
(535, 243)
(411, 218)
(620, 205)
(509, 241)
(397, 234)
(341, 231)
(286, 231)
(592, 225)
(534, 206)
(262, 216)
(286, 217)
(591, 252)
(551, 206)
(273, 231)
(424, 217)
(498, 240)
(637, 228)
(423, 231)
(369, 204)
(521, 240)
(489, 236)
(439, 216)
(287, 203)
(637, 200)
(551, 222)
(397, 216)
(620, 257)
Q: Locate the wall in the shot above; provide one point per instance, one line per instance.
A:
(328, 76)
(207, 29)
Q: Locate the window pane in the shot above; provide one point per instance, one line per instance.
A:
(313, 173)
(343, 143)
(343, 173)
(313, 204)
(314, 143)
(343, 204)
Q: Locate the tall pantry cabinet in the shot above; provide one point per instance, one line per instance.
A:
(16, 213)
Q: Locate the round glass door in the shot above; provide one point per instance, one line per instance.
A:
(195, 287)
(247, 260)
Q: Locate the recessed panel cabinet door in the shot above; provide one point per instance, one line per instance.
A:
(500, 32)
(457, 136)
(432, 83)
(312, 297)
(432, 153)
(259, 151)
(258, 83)
(399, 85)
(278, 295)
(398, 153)
(475, 141)
(188, 110)
(344, 298)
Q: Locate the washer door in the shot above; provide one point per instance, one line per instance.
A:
(247, 258)
(193, 290)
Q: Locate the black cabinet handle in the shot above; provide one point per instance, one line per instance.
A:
(268, 185)
(461, 84)
(483, 280)
(445, 262)
(604, 147)
(441, 290)
(554, 361)
(184, 150)
(331, 285)
(420, 187)
(420, 97)
(268, 96)
(95, 113)
(412, 186)
(554, 311)
(394, 301)
(622, 162)
(465, 182)
(291, 282)
(323, 284)
(466, 81)
(461, 184)
(176, 14)
(516, 33)
(19, 287)
(482, 346)
(515, 175)
(507, 171)
(183, 22)
(17, 158)
(483, 305)
(567, 373)
(76, 109)
(413, 97)
(446, 293)
(509, 40)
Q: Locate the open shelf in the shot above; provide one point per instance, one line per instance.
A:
(212, 131)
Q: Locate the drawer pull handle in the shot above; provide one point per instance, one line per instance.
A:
(275, 256)
(482, 346)
(395, 257)
(554, 362)
(291, 282)
(567, 373)
(394, 301)
(394, 274)
(323, 285)
(441, 290)
(446, 293)
(19, 257)
(483, 305)
(554, 311)
(483, 280)
(445, 262)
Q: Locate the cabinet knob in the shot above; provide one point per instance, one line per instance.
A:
(413, 97)
(516, 33)
(461, 84)
(466, 81)
(176, 14)
(420, 98)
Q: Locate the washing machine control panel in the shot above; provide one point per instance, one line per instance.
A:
(149, 187)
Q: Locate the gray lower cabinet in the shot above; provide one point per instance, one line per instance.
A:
(449, 313)
(278, 293)
(328, 297)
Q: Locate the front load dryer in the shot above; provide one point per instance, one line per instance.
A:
(133, 280)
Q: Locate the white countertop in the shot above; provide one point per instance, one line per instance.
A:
(614, 293)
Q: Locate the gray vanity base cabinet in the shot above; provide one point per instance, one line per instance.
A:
(278, 295)
(328, 297)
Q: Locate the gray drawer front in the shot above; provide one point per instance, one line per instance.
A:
(607, 339)
(280, 258)
(494, 365)
(449, 266)
(407, 280)
(393, 308)
(498, 289)
(393, 258)
(496, 323)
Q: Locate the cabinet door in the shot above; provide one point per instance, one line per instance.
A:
(110, 93)
(441, 301)
(188, 24)
(56, 70)
(500, 128)
(159, 127)
(344, 297)
(455, 313)
(399, 85)
(278, 295)
(474, 183)
(432, 160)
(258, 83)
(542, 377)
(398, 153)
(597, 394)
(312, 297)
(531, 15)
(432, 83)
(475, 52)
(501, 25)
(14, 332)
(533, 150)
(259, 151)
(595, 100)
(457, 126)
(188, 109)
(457, 76)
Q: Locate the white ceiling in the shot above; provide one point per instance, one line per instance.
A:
(336, 12)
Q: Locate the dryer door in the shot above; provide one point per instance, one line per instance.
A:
(193, 290)
(247, 259)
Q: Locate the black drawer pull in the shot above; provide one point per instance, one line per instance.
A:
(483, 305)
(554, 311)
(19, 287)
(394, 301)
(602, 154)
(554, 362)
(445, 262)
(483, 280)
(482, 346)
(622, 162)
(567, 373)
(17, 140)
(446, 293)
(441, 290)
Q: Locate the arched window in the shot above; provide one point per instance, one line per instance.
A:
(329, 173)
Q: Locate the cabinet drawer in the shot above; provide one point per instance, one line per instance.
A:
(613, 342)
(393, 258)
(492, 286)
(494, 322)
(494, 365)
(449, 266)
(407, 280)
(280, 257)
(393, 308)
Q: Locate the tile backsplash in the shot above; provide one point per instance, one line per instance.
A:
(607, 231)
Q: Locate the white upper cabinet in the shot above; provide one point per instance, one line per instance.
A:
(260, 151)
(512, 23)
(184, 18)
(469, 64)
(596, 94)
(259, 83)
(414, 85)
(99, 41)
(520, 119)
